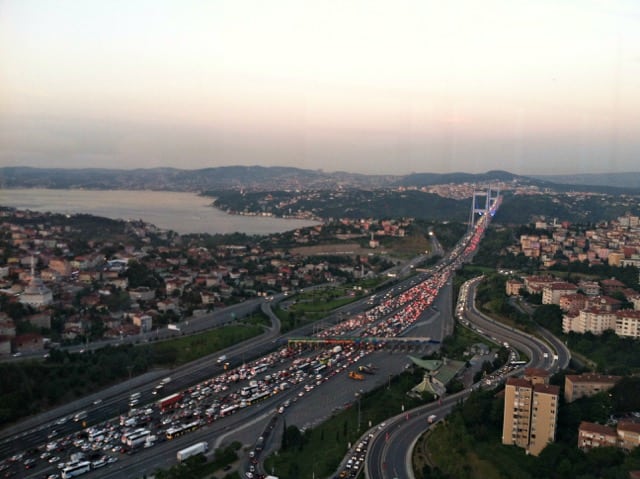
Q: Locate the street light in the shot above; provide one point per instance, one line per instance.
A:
(358, 396)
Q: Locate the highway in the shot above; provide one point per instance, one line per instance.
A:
(389, 453)
(38, 430)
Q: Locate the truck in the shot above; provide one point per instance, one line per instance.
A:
(336, 349)
(432, 418)
(169, 401)
(173, 327)
(197, 448)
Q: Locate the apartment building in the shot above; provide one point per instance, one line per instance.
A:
(628, 323)
(573, 303)
(591, 434)
(588, 384)
(626, 435)
(513, 287)
(537, 375)
(594, 320)
(590, 288)
(535, 284)
(530, 414)
(551, 293)
(625, 323)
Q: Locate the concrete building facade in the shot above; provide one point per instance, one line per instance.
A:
(577, 386)
(530, 414)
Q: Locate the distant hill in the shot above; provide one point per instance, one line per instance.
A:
(281, 178)
(617, 180)
(427, 179)
(173, 179)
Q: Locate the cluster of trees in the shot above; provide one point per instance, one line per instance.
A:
(611, 353)
(28, 387)
(354, 203)
(517, 209)
(469, 445)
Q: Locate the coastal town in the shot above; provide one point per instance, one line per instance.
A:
(58, 286)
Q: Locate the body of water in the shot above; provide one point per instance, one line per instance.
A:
(181, 212)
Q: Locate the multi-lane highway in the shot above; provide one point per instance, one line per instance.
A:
(390, 451)
(57, 424)
(35, 432)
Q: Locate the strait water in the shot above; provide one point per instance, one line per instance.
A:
(181, 212)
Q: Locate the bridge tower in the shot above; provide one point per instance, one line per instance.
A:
(479, 205)
(482, 203)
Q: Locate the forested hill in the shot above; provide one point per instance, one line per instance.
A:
(244, 177)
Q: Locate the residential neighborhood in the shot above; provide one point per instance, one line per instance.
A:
(58, 286)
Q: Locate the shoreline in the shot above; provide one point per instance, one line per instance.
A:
(182, 212)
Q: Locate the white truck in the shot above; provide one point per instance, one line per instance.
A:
(432, 418)
(197, 448)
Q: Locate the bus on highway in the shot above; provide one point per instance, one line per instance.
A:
(76, 469)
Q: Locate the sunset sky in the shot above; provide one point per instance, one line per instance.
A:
(384, 87)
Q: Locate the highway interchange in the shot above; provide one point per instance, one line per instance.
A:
(389, 453)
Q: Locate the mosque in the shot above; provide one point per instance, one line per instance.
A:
(36, 294)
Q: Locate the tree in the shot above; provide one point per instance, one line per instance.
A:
(292, 438)
(549, 316)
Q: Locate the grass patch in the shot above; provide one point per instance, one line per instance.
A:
(189, 348)
(458, 448)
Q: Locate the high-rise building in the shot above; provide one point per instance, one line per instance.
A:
(530, 414)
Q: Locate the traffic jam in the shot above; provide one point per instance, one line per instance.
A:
(152, 419)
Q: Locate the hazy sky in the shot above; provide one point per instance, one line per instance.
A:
(543, 86)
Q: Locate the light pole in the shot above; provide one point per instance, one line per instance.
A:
(358, 396)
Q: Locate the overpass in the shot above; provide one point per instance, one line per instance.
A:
(357, 340)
